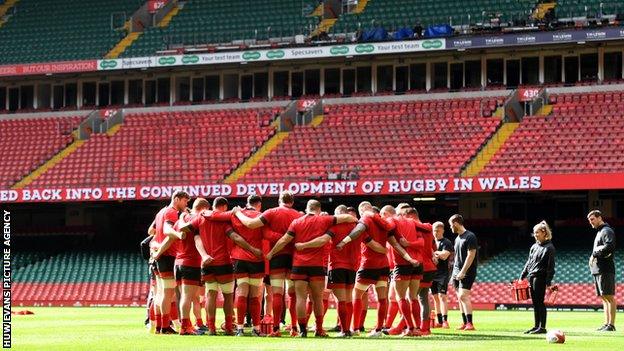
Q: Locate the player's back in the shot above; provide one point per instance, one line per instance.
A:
(252, 236)
(349, 256)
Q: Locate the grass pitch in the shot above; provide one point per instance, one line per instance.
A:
(122, 329)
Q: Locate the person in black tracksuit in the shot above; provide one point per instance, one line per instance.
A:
(540, 270)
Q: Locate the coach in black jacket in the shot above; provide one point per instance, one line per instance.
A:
(540, 270)
(602, 266)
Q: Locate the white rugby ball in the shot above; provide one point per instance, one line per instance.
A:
(555, 337)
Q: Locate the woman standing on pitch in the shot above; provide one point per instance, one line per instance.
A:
(540, 269)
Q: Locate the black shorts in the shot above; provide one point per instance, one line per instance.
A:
(368, 276)
(440, 285)
(465, 283)
(425, 282)
(280, 264)
(407, 272)
(604, 284)
(249, 269)
(220, 274)
(188, 275)
(341, 278)
(165, 266)
(308, 273)
(267, 280)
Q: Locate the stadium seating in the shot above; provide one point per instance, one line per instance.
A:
(560, 142)
(81, 276)
(381, 140)
(59, 30)
(395, 14)
(205, 22)
(27, 143)
(587, 8)
(165, 148)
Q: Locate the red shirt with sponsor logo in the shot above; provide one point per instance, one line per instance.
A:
(187, 252)
(165, 215)
(349, 256)
(252, 236)
(426, 229)
(376, 229)
(278, 219)
(406, 228)
(214, 237)
(306, 228)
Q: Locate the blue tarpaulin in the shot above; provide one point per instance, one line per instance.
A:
(375, 34)
(403, 33)
(439, 30)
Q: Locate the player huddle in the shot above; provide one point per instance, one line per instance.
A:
(305, 255)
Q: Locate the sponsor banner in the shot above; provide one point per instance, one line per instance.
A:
(275, 54)
(532, 38)
(413, 186)
(48, 68)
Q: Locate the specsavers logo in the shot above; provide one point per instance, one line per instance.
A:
(252, 55)
(275, 54)
(364, 48)
(169, 60)
(432, 44)
(339, 50)
(190, 59)
(108, 64)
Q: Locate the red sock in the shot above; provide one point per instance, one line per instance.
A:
(348, 316)
(342, 314)
(382, 311)
(186, 323)
(199, 322)
(158, 320)
(254, 310)
(303, 324)
(309, 306)
(392, 312)
(229, 326)
(292, 308)
(363, 317)
(152, 312)
(319, 322)
(426, 325)
(241, 309)
(325, 306)
(406, 311)
(357, 313)
(165, 321)
(212, 324)
(174, 311)
(402, 324)
(416, 313)
(278, 307)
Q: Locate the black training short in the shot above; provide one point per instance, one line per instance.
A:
(308, 273)
(250, 269)
(368, 276)
(440, 285)
(267, 280)
(280, 264)
(188, 275)
(407, 272)
(604, 284)
(341, 278)
(465, 283)
(222, 273)
(164, 265)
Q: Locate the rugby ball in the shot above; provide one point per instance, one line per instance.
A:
(555, 337)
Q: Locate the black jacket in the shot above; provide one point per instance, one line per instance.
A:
(541, 262)
(604, 250)
(145, 247)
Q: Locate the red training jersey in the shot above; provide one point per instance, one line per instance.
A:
(187, 252)
(426, 229)
(278, 219)
(376, 229)
(165, 215)
(349, 256)
(252, 236)
(406, 228)
(215, 238)
(306, 228)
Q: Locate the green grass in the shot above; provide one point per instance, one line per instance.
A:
(121, 329)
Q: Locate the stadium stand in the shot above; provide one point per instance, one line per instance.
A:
(383, 140)
(559, 143)
(393, 14)
(28, 143)
(587, 8)
(206, 22)
(152, 149)
(71, 276)
(53, 30)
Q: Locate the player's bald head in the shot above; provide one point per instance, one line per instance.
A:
(341, 209)
(313, 206)
(200, 204)
(364, 206)
(387, 211)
